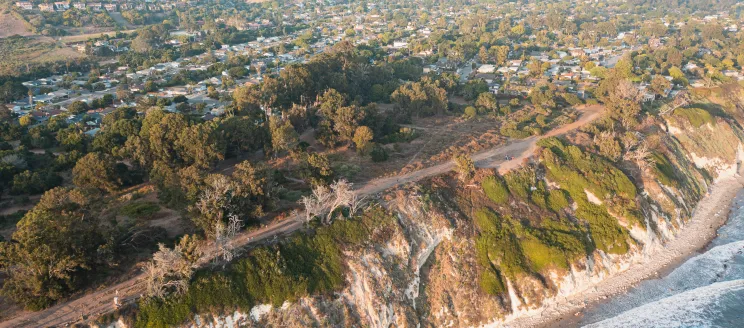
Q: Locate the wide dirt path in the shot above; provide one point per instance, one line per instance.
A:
(90, 306)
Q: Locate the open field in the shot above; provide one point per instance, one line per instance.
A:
(17, 52)
(84, 37)
(11, 25)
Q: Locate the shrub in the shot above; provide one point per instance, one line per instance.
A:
(490, 282)
(307, 264)
(664, 170)
(606, 233)
(542, 256)
(557, 200)
(470, 112)
(520, 182)
(696, 116)
(378, 154)
(28, 182)
(495, 190)
(498, 245)
(139, 210)
(572, 99)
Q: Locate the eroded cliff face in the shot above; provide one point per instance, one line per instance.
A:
(424, 271)
(426, 275)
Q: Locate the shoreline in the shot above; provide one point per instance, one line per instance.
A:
(709, 215)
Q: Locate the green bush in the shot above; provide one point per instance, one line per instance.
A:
(139, 210)
(608, 235)
(542, 256)
(696, 116)
(306, 265)
(470, 112)
(491, 283)
(378, 154)
(664, 170)
(576, 172)
(506, 248)
(572, 99)
(539, 195)
(495, 190)
(557, 200)
(519, 182)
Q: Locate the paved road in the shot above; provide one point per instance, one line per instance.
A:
(92, 305)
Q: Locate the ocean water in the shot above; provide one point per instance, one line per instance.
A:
(707, 290)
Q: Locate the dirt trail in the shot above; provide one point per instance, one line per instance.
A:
(90, 306)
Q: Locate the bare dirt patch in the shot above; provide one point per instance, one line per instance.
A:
(11, 25)
(438, 139)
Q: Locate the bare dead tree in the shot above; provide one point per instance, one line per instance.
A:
(626, 90)
(224, 233)
(215, 203)
(316, 204)
(642, 156)
(324, 201)
(342, 196)
(356, 203)
(168, 273)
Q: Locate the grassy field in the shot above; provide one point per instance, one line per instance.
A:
(17, 52)
(84, 37)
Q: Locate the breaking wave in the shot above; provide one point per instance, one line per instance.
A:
(716, 305)
(706, 290)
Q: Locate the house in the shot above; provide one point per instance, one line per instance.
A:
(79, 5)
(400, 44)
(577, 52)
(61, 5)
(654, 43)
(110, 6)
(690, 66)
(486, 69)
(25, 5)
(515, 63)
(46, 7)
(59, 95)
(95, 6)
(732, 74)
(92, 132)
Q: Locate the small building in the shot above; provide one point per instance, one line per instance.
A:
(110, 6)
(25, 5)
(62, 5)
(486, 69)
(46, 7)
(79, 5)
(400, 44)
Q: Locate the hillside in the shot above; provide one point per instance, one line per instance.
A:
(12, 25)
(445, 251)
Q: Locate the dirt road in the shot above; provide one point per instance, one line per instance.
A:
(90, 306)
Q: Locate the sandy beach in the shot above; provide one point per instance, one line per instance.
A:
(710, 213)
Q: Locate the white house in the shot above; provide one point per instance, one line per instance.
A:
(25, 5)
(486, 69)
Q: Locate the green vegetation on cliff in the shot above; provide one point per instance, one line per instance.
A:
(306, 265)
